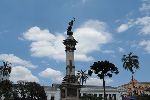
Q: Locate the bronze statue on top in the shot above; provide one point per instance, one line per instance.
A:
(69, 32)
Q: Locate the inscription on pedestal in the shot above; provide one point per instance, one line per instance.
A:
(71, 92)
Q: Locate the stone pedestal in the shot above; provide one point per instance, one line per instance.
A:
(70, 88)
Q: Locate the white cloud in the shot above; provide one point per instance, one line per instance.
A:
(122, 28)
(36, 34)
(97, 81)
(84, 1)
(20, 67)
(145, 6)
(144, 24)
(54, 75)
(22, 73)
(108, 51)
(92, 33)
(46, 44)
(92, 30)
(16, 60)
(121, 50)
(146, 45)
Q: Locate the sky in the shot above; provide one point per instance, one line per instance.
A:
(32, 32)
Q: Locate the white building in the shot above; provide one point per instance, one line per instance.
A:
(97, 91)
(53, 93)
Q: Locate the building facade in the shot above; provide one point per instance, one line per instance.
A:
(98, 91)
(112, 93)
(53, 93)
(136, 87)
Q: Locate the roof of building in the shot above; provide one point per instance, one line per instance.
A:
(144, 82)
(135, 81)
(93, 86)
(87, 86)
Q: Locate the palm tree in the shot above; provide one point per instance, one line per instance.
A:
(82, 76)
(130, 63)
(103, 69)
(6, 68)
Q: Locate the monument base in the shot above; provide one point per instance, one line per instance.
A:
(70, 89)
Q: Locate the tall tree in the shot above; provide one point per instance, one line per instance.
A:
(103, 69)
(130, 63)
(82, 76)
(29, 91)
(36, 91)
(21, 90)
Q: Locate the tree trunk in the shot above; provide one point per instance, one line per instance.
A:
(82, 79)
(104, 89)
(132, 85)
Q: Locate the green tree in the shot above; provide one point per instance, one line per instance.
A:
(82, 76)
(103, 69)
(5, 69)
(36, 92)
(130, 63)
(29, 91)
(21, 90)
(6, 90)
(5, 85)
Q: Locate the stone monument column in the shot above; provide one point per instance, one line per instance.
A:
(70, 87)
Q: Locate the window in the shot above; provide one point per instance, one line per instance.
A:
(52, 97)
(114, 96)
(95, 95)
(84, 94)
(100, 95)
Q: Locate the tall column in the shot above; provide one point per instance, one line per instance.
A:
(70, 43)
(70, 87)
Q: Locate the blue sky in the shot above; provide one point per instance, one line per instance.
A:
(31, 34)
